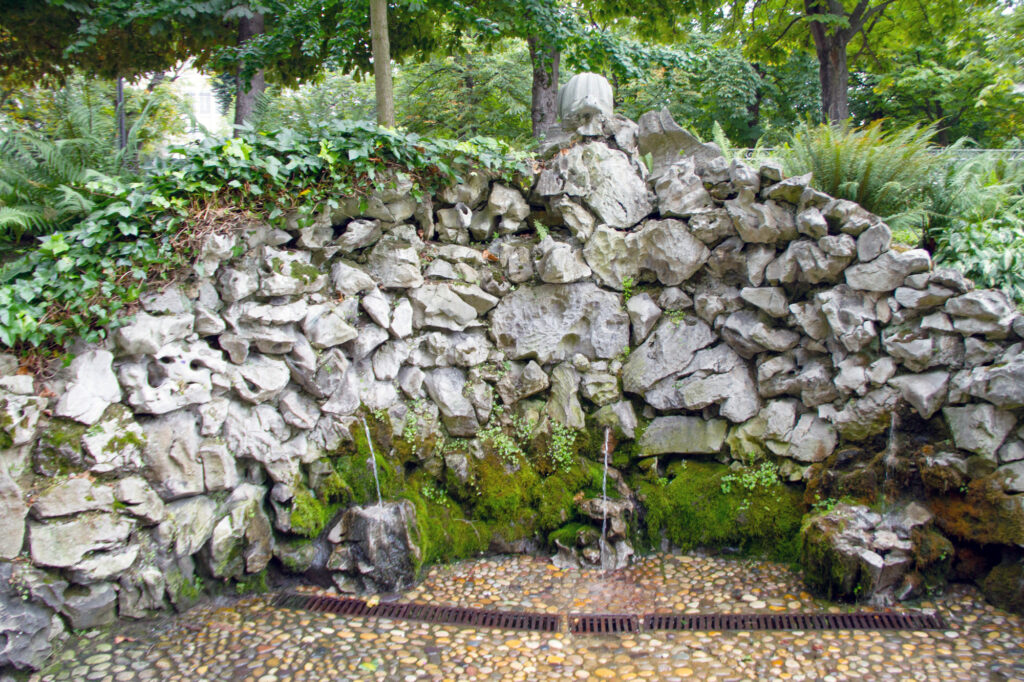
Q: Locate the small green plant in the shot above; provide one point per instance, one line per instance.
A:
(542, 230)
(824, 506)
(504, 445)
(434, 493)
(750, 479)
(676, 316)
(562, 440)
(628, 285)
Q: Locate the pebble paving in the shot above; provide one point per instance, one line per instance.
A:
(249, 641)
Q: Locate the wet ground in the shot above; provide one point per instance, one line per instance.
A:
(248, 640)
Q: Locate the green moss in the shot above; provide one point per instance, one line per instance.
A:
(567, 535)
(309, 515)
(443, 533)
(253, 583)
(694, 510)
(304, 272)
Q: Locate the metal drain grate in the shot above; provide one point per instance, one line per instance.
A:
(429, 613)
(794, 621)
(606, 624)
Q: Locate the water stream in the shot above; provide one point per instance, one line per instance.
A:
(604, 496)
(373, 460)
(889, 459)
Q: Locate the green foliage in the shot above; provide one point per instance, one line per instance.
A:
(706, 505)
(473, 93)
(962, 80)
(886, 172)
(708, 84)
(138, 233)
(54, 144)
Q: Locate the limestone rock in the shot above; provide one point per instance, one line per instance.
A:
(64, 544)
(326, 327)
(349, 280)
(553, 322)
(559, 263)
(437, 306)
(643, 314)
(171, 455)
(260, 378)
(981, 312)
(668, 351)
(375, 550)
(147, 334)
(604, 179)
(395, 264)
(178, 375)
(564, 403)
(27, 627)
(445, 387)
(12, 521)
(242, 540)
(73, 496)
(187, 525)
(358, 234)
(926, 392)
(683, 435)
(139, 499)
(980, 429)
(812, 439)
(668, 250)
(680, 192)
(93, 387)
(661, 137)
(888, 270)
(521, 381)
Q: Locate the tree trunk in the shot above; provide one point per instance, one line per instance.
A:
(246, 95)
(122, 129)
(834, 76)
(382, 63)
(544, 107)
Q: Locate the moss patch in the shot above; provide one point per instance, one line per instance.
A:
(694, 509)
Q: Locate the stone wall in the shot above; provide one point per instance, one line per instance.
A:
(696, 307)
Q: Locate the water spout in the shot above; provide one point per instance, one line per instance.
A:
(373, 460)
(604, 496)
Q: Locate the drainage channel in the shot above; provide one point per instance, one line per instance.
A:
(428, 613)
(610, 624)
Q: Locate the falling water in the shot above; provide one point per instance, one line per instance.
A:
(889, 459)
(373, 460)
(604, 495)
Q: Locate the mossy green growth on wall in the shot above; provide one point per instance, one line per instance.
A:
(708, 505)
(444, 532)
(309, 515)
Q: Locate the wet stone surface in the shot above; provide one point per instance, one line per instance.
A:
(249, 641)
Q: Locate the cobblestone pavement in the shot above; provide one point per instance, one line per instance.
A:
(247, 640)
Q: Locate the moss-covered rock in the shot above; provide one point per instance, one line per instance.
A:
(1004, 585)
(59, 449)
(708, 505)
(984, 514)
